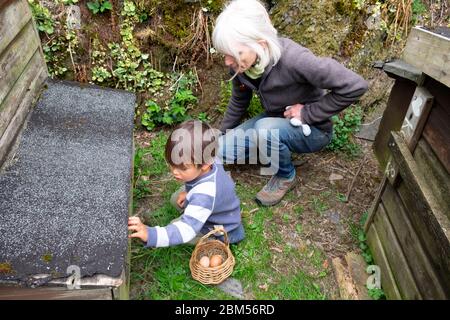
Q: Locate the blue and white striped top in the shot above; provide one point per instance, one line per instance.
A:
(211, 200)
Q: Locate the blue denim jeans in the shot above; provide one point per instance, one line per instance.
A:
(271, 139)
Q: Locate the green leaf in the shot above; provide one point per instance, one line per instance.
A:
(107, 5)
(93, 6)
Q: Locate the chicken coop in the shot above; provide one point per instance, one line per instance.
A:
(408, 227)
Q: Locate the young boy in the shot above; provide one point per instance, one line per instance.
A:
(209, 198)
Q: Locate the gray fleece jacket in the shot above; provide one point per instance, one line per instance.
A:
(323, 85)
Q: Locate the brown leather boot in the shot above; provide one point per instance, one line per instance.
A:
(274, 190)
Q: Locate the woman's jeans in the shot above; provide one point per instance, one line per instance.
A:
(269, 140)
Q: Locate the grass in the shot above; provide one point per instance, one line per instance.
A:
(319, 203)
(163, 273)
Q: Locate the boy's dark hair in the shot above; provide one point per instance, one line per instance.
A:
(192, 142)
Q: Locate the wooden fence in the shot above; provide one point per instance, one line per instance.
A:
(22, 69)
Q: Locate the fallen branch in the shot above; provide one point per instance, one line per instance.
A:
(349, 191)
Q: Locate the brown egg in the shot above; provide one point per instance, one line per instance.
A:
(204, 261)
(216, 260)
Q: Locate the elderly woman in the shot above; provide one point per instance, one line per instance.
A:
(290, 81)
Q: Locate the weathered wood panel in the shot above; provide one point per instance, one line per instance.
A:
(395, 257)
(436, 130)
(428, 283)
(431, 236)
(404, 70)
(53, 293)
(438, 178)
(24, 85)
(416, 183)
(375, 203)
(427, 218)
(393, 116)
(387, 277)
(429, 52)
(17, 121)
(13, 17)
(14, 60)
(5, 3)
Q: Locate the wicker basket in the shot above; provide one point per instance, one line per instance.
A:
(209, 247)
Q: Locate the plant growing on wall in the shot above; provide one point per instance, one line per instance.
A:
(99, 6)
(176, 109)
(42, 17)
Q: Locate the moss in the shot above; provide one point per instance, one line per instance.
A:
(214, 6)
(340, 7)
(333, 28)
(6, 268)
(178, 25)
(315, 25)
(48, 257)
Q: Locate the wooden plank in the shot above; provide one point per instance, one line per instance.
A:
(53, 293)
(429, 52)
(347, 289)
(375, 203)
(388, 283)
(36, 32)
(436, 133)
(416, 116)
(5, 3)
(13, 18)
(402, 69)
(357, 269)
(438, 178)
(394, 254)
(26, 81)
(14, 60)
(436, 130)
(437, 247)
(393, 116)
(415, 182)
(10, 134)
(428, 282)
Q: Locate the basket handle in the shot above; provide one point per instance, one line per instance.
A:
(214, 231)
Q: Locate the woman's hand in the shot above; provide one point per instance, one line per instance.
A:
(135, 224)
(181, 199)
(294, 111)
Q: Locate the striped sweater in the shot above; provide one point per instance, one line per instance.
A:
(211, 200)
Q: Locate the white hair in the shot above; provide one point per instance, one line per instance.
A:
(246, 22)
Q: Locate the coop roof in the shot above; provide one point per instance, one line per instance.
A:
(65, 195)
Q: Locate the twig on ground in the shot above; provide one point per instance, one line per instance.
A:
(315, 189)
(347, 196)
(254, 175)
(339, 169)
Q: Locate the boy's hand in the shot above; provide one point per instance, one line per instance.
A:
(181, 199)
(135, 224)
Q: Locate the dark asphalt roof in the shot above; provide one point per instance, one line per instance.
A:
(64, 200)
